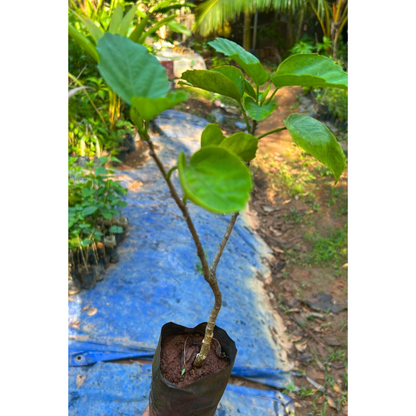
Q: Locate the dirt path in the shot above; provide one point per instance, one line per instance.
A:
(303, 218)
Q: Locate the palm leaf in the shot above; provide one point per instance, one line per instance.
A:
(212, 14)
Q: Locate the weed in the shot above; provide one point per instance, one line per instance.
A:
(330, 250)
(304, 392)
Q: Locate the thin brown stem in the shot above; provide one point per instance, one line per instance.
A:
(224, 241)
(182, 207)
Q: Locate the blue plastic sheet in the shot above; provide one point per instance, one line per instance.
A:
(122, 389)
(158, 278)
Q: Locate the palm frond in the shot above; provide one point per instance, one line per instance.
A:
(212, 14)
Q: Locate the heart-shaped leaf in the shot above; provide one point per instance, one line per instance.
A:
(316, 139)
(149, 108)
(130, 70)
(256, 112)
(211, 136)
(246, 60)
(213, 81)
(215, 179)
(310, 70)
(234, 74)
(242, 144)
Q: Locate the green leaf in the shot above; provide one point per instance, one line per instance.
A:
(212, 135)
(95, 31)
(242, 144)
(316, 139)
(86, 192)
(246, 60)
(234, 74)
(86, 242)
(256, 112)
(89, 210)
(310, 70)
(155, 27)
(213, 81)
(115, 229)
(178, 28)
(250, 90)
(127, 20)
(116, 19)
(138, 30)
(264, 94)
(149, 108)
(83, 42)
(215, 179)
(101, 170)
(130, 70)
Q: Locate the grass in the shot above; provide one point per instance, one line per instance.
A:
(331, 250)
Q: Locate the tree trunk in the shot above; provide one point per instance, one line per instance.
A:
(247, 31)
(300, 26)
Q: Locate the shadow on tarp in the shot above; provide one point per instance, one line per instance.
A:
(158, 277)
(109, 389)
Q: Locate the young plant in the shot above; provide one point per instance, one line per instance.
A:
(217, 177)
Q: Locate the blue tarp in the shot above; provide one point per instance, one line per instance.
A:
(121, 389)
(158, 278)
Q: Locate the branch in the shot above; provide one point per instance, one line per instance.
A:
(182, 207)
(224, 241)
(271, 131)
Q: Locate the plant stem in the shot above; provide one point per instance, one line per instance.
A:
(224, 241)
(245, 117)
(182, 207)
(271, 131)
(271, 97)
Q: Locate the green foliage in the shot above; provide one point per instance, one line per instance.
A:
(130, 70)
(316, 139)
(213, 81)
(215, 179)
(242, 144)
(332, 103)
(303, 46)
(331, 250)
(310, 70)
(250, 64)
(149, 108)
(95, 200)
(257, 112)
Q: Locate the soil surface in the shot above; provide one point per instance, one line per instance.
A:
(178, 354)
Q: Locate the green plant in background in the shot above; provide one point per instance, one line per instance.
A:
(217, 177)
(95, 201)
(89, 21)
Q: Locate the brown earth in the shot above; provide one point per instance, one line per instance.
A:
(178, 354)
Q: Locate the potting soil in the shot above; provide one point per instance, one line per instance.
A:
(157, 280)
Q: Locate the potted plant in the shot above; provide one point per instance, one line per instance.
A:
(191, 366)
(96, 224)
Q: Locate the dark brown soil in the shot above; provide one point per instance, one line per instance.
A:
(172, 359)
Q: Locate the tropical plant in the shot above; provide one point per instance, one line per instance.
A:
(95, 201)
(88, 21)
(332, 15)
(217, 177)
